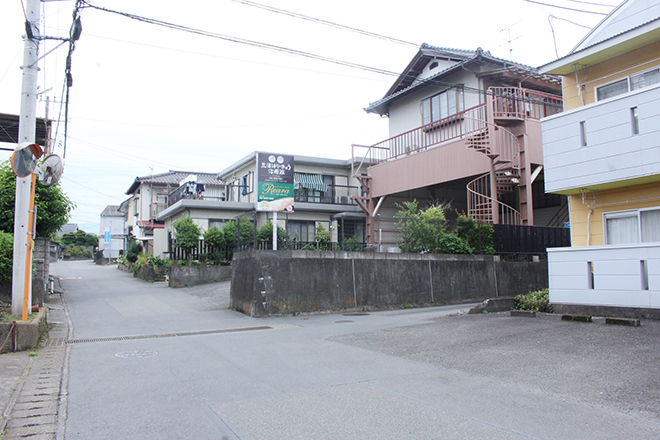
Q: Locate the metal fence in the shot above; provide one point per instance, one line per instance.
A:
(528, 240)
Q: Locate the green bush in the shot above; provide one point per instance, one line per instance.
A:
(479, 236)
(537, 301)
(6, 257)
(322, 236)
(186, 234)
(424, 231)
(134, 249)
(214, 237)
(352, 244)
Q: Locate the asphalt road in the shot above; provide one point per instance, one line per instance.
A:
(151, 362)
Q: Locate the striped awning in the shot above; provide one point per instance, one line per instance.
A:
(309, 181)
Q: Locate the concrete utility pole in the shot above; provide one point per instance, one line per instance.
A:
(22, 269)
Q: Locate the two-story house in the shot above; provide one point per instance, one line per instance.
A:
(149, 197)
(464, 129)
(323, 189)
(112, 239)
(603, 152)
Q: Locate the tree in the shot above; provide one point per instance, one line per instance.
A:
(424, 231)
(80, 238)
(6, 257)
(213, 237)
(478, 235)
(187, 234)
(53, 206)
(266, 234)
(322, 236)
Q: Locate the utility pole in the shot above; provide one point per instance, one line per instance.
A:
(22, 269)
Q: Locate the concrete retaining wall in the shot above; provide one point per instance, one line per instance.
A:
(28, 333)
(194, 275)
(266, 283)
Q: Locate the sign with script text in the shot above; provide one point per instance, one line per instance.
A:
(274, 182)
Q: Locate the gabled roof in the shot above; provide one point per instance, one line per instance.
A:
(409, 80)
(112, 211)
(631, 25)
(174, 178)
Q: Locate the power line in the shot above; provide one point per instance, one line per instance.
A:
(564, 7)
(326, 23)
(240, 40)
(569, 21)
(594, 4)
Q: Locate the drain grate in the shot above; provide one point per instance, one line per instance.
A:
(166, 335)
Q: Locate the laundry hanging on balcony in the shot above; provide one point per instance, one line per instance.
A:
(309, 181)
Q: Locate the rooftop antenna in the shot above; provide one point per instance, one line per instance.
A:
(510, 40)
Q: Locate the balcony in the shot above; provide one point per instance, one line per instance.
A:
(335, 195)
(607, 143)
(505, 105)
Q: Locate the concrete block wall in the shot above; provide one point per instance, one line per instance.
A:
(266, 283)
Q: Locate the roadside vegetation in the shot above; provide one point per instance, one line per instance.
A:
(427, 231)
(537, 301)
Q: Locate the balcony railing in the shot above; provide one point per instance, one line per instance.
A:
(447, 129)
(507, 103)
(335, 195)
(517, 103)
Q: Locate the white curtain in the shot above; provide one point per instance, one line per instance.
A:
(650, 225)
(622, 230)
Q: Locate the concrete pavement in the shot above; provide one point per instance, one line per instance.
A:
(149, 362)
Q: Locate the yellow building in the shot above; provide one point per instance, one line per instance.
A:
(604, 153)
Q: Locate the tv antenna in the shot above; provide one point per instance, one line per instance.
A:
(509, 39)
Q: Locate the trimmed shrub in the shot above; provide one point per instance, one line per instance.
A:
(537, 301)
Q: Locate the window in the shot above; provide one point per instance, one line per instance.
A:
(302, 231)
(633, 226)
(136, 206)
(442, 105)
(633, 82)
(217, 223)
(247, 183)
(313, 188)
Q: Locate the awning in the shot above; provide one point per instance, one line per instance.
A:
(309, 181)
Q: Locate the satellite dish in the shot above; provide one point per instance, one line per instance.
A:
(24, 158)
(50, 170)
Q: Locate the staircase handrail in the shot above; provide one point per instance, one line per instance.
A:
(476, 199)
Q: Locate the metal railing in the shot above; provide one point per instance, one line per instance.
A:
(480, 204)
(519, 103)
(336, 195)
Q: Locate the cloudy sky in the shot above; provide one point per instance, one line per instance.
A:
(148, 99)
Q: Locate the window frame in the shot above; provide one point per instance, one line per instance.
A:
(629, 213)
(629, 83)
(427, 104)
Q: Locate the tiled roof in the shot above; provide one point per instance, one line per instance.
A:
(174, 178)
(408, 80)
(112, 211)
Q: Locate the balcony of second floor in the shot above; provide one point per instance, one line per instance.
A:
(505, 105)
(609, 143)
(307, 189)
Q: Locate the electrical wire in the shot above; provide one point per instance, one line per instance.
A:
(326, 23)
(594, 4)
(564, 7)
(227, 58)
(569, 21)
(240, 40)
(428, 81)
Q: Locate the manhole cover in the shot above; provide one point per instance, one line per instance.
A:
(136, 354)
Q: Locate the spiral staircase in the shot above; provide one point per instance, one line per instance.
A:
(503, 149)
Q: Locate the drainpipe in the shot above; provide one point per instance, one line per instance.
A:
(591, 211)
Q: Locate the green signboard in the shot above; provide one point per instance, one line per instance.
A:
(274, 182)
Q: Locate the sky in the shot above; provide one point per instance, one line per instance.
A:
(148, 99)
